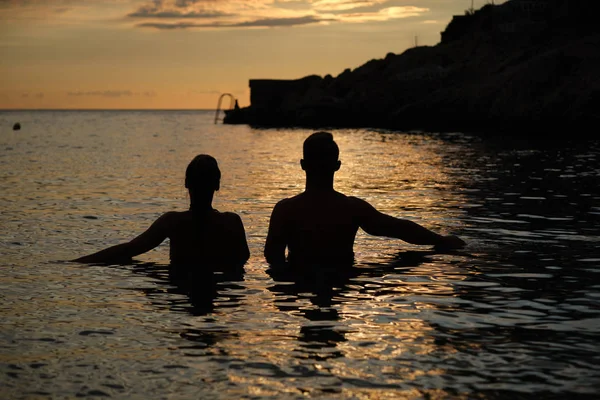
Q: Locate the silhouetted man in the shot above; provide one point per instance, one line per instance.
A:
(319, 225)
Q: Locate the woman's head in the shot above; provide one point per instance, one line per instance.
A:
(203, 174)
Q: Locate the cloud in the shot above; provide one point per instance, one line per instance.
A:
(102, 93)
(263, 23)
(111, 93)
(179, 9)
(187, 14)
(384, 14)
(336, 5)
(198, 8)
(177, 14)
(270, 22)
(38, 95)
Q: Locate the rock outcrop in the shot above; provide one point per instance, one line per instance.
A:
(526, 65)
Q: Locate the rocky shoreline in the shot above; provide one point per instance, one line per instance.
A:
(501, 68)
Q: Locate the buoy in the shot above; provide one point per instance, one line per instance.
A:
(16, 126)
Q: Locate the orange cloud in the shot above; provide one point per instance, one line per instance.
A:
(183, 14)
(384, 14)
(336, 5)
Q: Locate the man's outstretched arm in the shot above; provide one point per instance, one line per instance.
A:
(148, 240)
(379, 224)
(276, 241)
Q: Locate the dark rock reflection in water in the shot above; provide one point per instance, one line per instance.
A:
(514, 315)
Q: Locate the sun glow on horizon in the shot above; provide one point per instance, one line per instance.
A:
(182, 54)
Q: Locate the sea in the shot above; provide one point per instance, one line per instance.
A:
(513, 315)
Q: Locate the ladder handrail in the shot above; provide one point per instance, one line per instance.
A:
(231, 103)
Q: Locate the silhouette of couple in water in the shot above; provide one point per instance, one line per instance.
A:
(317, 226)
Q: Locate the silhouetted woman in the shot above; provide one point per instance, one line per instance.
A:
(200, 237)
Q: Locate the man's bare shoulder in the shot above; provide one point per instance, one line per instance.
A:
(174, 216)
(226, 214)
(186, 217)
(301, 199)
(169, 216)
(289, 202)
(361, 208)
(357, 202)
(227, 217)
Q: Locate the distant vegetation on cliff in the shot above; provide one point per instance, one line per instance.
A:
(529, 65)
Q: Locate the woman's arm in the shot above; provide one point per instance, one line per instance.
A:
(148, 240)
(240, 250)
(276, 242)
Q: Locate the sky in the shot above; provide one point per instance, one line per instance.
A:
(183, 54)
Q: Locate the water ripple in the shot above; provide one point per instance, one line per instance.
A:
(513, 315)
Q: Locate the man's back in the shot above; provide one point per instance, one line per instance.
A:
(316, 227)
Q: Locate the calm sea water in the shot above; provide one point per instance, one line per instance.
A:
(514, 315)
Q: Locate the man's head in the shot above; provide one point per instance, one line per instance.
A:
(320, 153)
(203, 174)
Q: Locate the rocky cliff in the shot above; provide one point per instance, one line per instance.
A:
(525, 65)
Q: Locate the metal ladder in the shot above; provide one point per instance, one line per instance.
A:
(232, 101)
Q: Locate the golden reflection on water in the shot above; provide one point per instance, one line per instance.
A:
(101, 188)
(409, 323)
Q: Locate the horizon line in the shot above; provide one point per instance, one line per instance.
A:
(108, 109)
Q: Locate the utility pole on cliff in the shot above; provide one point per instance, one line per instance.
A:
(472, 9)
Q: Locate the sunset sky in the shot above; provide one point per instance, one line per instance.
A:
(182, 54)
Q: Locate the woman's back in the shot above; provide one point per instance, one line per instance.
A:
(207, 237)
